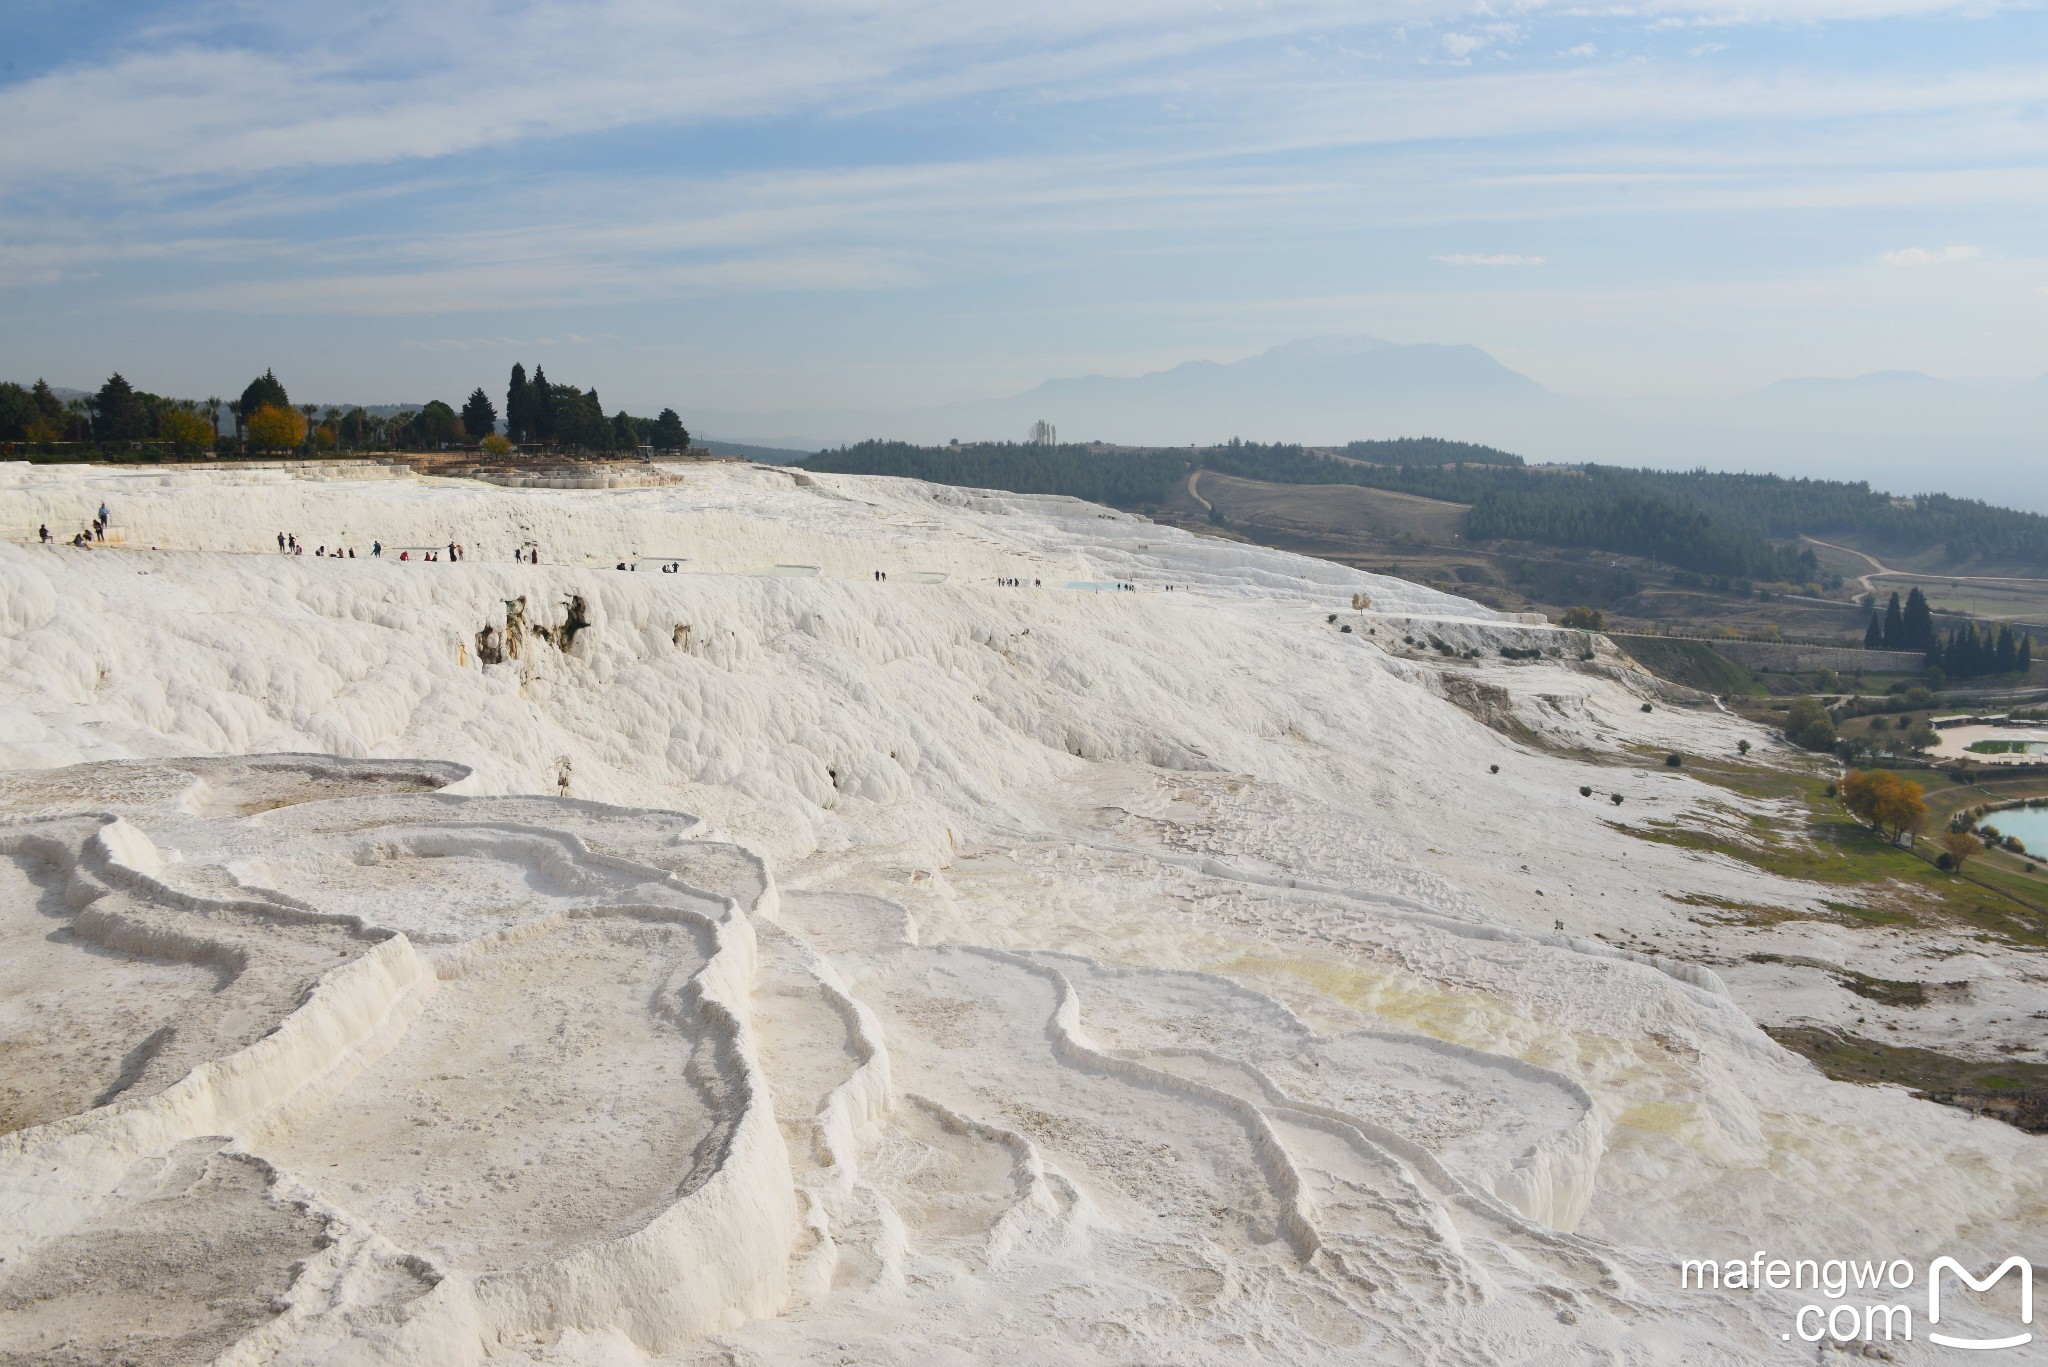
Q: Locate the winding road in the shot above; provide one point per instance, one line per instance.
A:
(1878, 568)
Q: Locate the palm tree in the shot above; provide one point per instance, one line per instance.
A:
(332, 417)
(235, 410)
(309, 409)
(213, 416)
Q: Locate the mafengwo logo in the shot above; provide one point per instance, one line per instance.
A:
(2019, 1265)
(1856, 1292)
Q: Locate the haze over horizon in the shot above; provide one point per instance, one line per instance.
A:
(796, 208)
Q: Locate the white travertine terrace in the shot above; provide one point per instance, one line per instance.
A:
(913, 971)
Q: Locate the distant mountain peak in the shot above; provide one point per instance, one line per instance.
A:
(1876, 380)
(1333, 367)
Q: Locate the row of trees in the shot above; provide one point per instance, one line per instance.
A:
(538, 410)
(35, 414)
(1427, 451)
(1967, 653)
(266, 420)
(119, 416)
(1907, 626)
(1964, 653)
(1965, 528)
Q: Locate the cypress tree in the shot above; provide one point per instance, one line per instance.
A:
(1894, 626)
(1873, 635)
(2025, 661)
(1971, 650)
(542, 407)
(2008, 651)
(1919, 622)
(518, 405)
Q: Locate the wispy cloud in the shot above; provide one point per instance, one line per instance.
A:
(497, 343)
(482, 159)
(228, 101)
(1931, 256)
(1462, 44)
(224, 97)
(453, 288)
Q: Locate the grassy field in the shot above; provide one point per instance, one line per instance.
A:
(1876, 884)
(1873, 884)
(2014, 1092)
(1881, 883)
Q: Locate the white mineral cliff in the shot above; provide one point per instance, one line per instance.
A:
(818, 967)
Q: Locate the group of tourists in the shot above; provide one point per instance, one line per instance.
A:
(288, 544)
(432, 555)
(97, 531)
(529, 554)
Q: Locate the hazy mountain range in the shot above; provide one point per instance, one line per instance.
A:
(1901, 430)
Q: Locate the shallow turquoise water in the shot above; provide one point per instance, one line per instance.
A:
(2030, 824)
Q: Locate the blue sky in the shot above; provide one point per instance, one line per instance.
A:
(789, 204)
